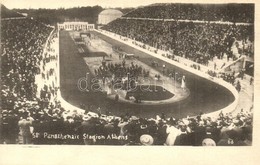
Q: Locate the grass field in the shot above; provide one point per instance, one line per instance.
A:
(205, 96)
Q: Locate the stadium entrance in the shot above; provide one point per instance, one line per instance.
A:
(76, 26)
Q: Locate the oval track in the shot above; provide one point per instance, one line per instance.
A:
(205, 96)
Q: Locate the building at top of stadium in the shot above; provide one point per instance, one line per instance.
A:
(108, 15)
(76, 26)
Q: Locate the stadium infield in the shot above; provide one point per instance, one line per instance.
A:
(205, 96)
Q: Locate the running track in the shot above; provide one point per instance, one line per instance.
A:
(205, 96)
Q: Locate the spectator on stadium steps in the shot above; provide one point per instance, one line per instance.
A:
(122, 125)
(25, 125)
(13, 129)
(5, 126)
(199, 42)
(204, 12)
(184, 137)
(230, 140)
(246, 139)
(22, 43)
(111, 129)
(224, 130)
(161, 135)
(238, 86)
(40, 126)
(19, 98)
(88, 128)
(251, 80)
(172, 132)
(198, 132)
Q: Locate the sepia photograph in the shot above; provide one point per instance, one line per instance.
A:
(127, 73)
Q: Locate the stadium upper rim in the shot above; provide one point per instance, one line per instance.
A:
(110, 12)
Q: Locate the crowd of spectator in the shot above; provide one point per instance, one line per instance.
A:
(28, 119)
(118, 74)
(53, 126)
(199, 42)
(228, 77)
(206, 12)
(119, 70)
(23, 58)
(22, 44)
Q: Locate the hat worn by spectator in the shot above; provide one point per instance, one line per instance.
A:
(146, 140)
(134, 118)
(41, 113)
(143, 126)
(103, 117)
(185, 121)
(5, 114)
(87, 117)
(110, 118)
(208, 142)
(4, 111)
(92, 114)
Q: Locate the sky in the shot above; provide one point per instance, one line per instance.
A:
(35, 4)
